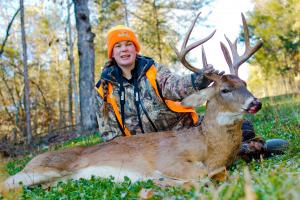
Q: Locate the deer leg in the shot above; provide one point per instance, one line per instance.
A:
(185, 171)
(32, 177)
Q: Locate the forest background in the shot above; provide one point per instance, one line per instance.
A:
(52, 51)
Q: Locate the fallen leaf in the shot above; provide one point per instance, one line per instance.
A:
(146, 193)
(219, 174)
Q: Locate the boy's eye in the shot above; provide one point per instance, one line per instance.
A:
(129, 43)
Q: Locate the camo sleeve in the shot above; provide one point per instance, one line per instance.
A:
(108, 126)
(175, 87)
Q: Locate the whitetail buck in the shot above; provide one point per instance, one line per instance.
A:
(175, 156)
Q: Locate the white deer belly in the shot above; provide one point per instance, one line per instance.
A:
(107, 171)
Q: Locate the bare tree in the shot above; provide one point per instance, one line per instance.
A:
(86, 65)
(26, 79)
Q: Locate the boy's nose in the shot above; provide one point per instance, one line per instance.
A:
(123, 47)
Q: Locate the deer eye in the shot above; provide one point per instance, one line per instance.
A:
(224, 91)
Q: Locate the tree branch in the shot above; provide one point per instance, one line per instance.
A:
(7, 32)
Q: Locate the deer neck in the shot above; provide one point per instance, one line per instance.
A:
(218, 116)
(223, 131)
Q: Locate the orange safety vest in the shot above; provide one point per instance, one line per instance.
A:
(174, 106)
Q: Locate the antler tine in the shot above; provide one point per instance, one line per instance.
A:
(246, 31)
(227, 57)
(235, 55)
(204, 60)
(184, 50)
(212, 76)
(236, 59)
(248, 50)
(188, 34)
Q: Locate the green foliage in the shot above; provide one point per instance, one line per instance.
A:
(16, 165)
(155, 27)
(95, 188)
(83, 141)
(280, 118)
(273, 178)
(276, 23)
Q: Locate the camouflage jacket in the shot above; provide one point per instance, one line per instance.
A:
(154, 114)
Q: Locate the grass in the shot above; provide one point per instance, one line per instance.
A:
(275, 178)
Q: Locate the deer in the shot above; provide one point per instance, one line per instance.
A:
(169, 157)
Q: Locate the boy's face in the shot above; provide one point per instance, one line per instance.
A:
(124, 53)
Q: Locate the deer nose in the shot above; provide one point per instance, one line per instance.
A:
(254, 106)
(258, 104)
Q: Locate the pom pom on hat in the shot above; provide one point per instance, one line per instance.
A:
(118, 34)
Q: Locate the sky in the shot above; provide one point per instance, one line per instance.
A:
(226, 19)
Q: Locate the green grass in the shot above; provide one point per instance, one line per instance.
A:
(83, 141)
(275, 178)
(16, 165)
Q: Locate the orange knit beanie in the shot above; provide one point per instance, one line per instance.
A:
(118, 34)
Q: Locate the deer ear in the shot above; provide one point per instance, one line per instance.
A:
(198, 98)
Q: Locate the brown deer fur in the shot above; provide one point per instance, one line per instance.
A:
(178, 156)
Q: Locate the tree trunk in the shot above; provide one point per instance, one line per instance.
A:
(86, 65)
(126, 12)
(157, 31)
(61, 114)
(70, 91)
(34, 114)
(26, 79)
(73, 84)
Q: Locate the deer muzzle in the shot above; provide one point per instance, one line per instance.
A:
(254, 106)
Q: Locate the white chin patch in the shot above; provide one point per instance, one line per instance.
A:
(228, 118)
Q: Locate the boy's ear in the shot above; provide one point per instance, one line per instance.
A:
(198, 98)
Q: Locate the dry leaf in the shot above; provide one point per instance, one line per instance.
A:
(219, 174)
(146, 193)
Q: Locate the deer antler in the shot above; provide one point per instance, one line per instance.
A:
(212, 76)
(184, 50)
(236, 59)
(204, 60)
